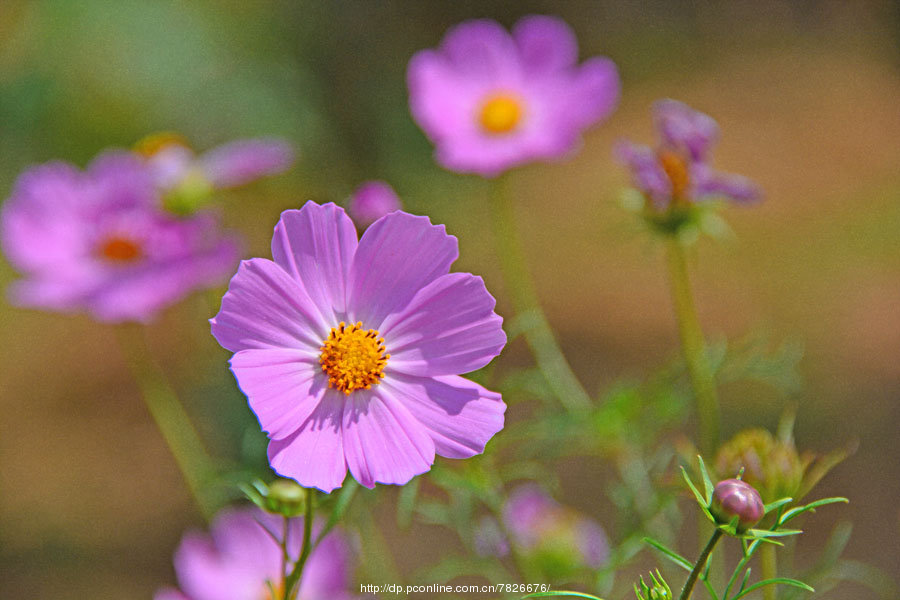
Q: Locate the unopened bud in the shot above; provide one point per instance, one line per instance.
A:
(735, 498)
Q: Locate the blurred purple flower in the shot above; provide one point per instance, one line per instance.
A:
(679, 170)
(234, 561)
(349, 351)
(99, 241)
(537, 522)
(173, 163)
(491, 101)
(371, 201)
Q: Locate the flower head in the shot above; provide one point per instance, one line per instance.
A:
(371, 201)
(557, 539)
(770, 465)
(733, 498)
(188, 180)
(349, 351)
(491, 100)
(678, 172)
(99, 241)
(238, 557)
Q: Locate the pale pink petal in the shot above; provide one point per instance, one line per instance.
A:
(546, 44)
(314, 454)
(266, 308)
(481, 49)
(316, 245)
(397, 256)
(383, 442)
(448, 328)
(459, 415)
(283, 386)
(242, 161)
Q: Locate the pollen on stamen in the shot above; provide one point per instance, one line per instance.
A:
(501, 113)
(353, 358)
(119, 250)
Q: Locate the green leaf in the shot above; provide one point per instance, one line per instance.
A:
(777, 504)
(690, 483)
(707, 484)
(671, 554)
(775, 581)
(795, 512)
(765, 533)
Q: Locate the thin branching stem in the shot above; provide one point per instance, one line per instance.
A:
(520, 288)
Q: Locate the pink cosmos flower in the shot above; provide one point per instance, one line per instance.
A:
(491, 101)
(173, 163)
(371, 201)
(679, 172)
(99, 241)
(348, 351)
(236, 559)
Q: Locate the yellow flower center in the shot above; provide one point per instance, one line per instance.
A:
(353, 358)
(157, 142)
(500, 113)
(119, 249)
(676, 169)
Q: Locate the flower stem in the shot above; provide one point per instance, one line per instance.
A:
(538, 334)
(699, 565)
(293, 579)
(170, 417)
(768, 562)
(694, 348)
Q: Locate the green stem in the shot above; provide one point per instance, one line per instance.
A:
(699, 565)
(535, 327)
(171, 419)
(694, 348)
(768, 562)
(293, 579)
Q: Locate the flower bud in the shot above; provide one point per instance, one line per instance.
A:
(735, 498)
(371, 201)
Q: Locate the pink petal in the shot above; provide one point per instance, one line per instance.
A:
(460, 415)
(383, 442)
(266, 308)
(282, 386)
(546, 44)
(316, 245)
(314, 454)
(448, 328)
(595, 91)
(243, 161)
(481, 49)
(442, 102)
(397, 256)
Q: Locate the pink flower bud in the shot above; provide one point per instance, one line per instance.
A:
(735, 498)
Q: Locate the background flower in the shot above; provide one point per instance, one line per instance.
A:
(371, 201)
(237, 557)
(490, 101)
(556, 539)
(678, 171)
(349, 352)
(99, 241)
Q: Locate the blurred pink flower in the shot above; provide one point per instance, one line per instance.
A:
(236, 559)
(173, 163)
(679, 170)
(371, 201)
(491, 101)
(99, 241)
(348, 351)
(537, 523)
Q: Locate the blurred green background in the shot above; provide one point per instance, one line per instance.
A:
(806, 93)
